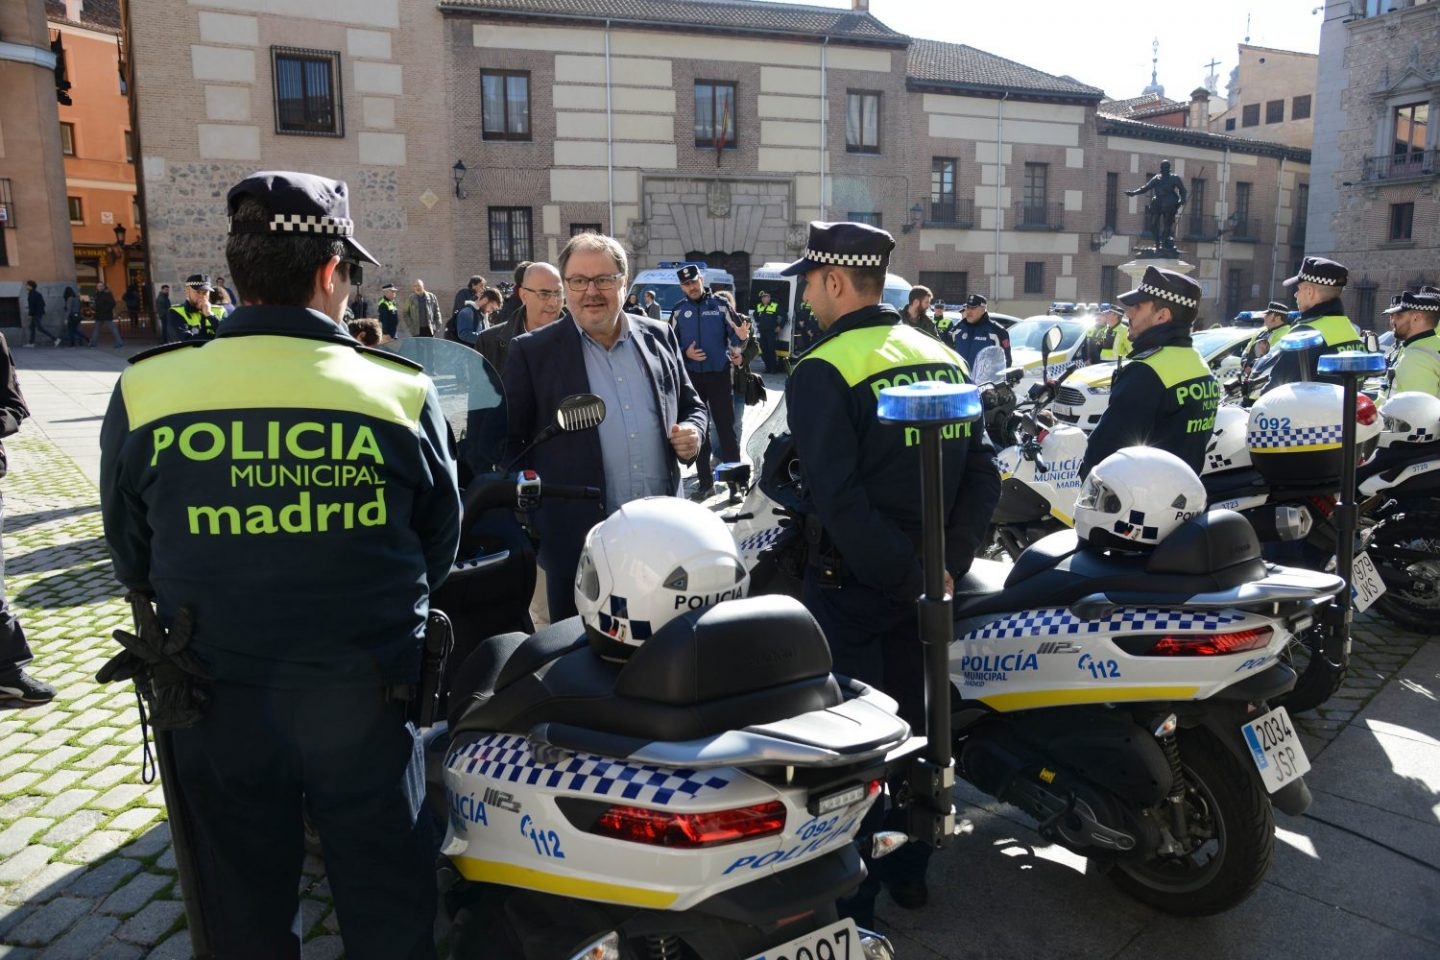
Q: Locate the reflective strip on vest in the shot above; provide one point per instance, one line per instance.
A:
(1176, 365)
(1337, 330)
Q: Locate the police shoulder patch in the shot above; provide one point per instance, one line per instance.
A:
(394, 358)
(1145, 353)
(166, 348)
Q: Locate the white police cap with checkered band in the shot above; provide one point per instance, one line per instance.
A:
(298, 203)
(843, 245)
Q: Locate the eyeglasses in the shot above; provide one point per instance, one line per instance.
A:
(604, 282)
(357, 271)
(544, 294)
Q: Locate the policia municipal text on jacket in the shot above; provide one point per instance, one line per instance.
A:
(1165, 396)
(295, 492)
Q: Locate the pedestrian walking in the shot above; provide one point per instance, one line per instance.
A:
(104, 304)
(702, 326)
(168, 333)
(35, 307)
(422, 312)
(73, 316)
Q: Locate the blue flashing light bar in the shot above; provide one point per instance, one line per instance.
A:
(1302, 340)
(1352, 362)
(930, 402)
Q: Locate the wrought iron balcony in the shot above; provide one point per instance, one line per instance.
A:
(1411, 165)
(1038, 216)
(951, 214)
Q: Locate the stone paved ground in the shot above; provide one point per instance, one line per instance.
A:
(86, 868)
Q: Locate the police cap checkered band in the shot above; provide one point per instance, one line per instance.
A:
(1427, 302)
(846, 259)
(1160, 293)
(296, 204)
(1319, 270)
(199, 281)
(1277, 307)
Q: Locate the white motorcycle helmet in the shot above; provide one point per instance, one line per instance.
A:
(1229, 448)
(1135, 498)
(1410, 417)
(1295, 432)
(648, 563)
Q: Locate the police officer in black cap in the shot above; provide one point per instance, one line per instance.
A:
(1165, 396)
(706, 336)
(195, 317)
(1277, 324)
(1317, 287)
(242, 486)
(979, 331)
(862, 479)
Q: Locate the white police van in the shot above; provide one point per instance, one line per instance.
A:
(662, 280)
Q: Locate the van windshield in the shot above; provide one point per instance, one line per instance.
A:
(897, 297)
(666, 294)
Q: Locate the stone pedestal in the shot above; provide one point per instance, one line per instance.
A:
(1135, 269)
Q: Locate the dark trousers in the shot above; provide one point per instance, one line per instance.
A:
(769, 341)
(14, 651)
(717, 394)
(877, 640)
(245, 772)
(73, 336)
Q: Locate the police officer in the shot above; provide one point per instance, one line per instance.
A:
(767, 324)
(1110, 338)
(1166, 396)
(861, 476)
(979, 331)
(703, 329)
(1277, 324)
(1317, 287)
(197, 318)
(246, 482)
(1417, 350)
(386, 312)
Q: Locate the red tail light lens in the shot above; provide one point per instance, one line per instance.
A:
(1326, 505)
(1365, 412)
(1212, 644)
(663, 828)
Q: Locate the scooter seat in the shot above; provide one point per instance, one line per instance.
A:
(1214, 551)
(736, 664)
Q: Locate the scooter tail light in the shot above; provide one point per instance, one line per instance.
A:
(1365, 412)
(665, 828)
(1211, 644)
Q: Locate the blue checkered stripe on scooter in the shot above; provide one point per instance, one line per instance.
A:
(507, 757)
(761, 539)
(1057, 622)
(1270, 439)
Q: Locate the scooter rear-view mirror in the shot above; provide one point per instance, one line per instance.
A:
(580, 411)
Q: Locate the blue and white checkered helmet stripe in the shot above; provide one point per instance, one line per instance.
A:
(1270, 438)
(508, 758)
(1059, 622)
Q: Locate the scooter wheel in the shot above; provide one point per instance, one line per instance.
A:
(1416, 604)
(1230, 841)
(1316, 679)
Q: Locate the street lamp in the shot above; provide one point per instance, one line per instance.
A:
(917, 217)
(458, 171)
(120, 234)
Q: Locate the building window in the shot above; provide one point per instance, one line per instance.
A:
(1275, 111)
(949, 286)
(1112, 201)
(77, 209)
(1365, 294)
(1229, 123)
(1108, 280)
(1196, 204)
(715, 115)
(1035, 276)
(1250, 115)
(509, 237)
(872, 219)
(1243, 229)
(307, 92)
(1036, 190)
(578, 228)
(1412, 123)
(1300, 107)
(1302, 215)
(942, 190)
(1402, 221)
(67, 139)
(135, 212)
(1234, 291)
(862, 121)
(505, 104)
(129, 147)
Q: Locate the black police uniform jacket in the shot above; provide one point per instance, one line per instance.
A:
(970, 338)
(1164, 396)
(293, 489)
(1328, 318)
(863, 476)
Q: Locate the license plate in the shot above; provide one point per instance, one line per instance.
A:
(1275, 748)
(839, 941)
(1365, 583)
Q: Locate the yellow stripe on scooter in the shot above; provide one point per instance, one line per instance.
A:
(509, 875)
(1008, 702)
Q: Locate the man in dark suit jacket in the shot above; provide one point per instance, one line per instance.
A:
(654, 419)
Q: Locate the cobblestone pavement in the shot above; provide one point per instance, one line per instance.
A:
(86, 867)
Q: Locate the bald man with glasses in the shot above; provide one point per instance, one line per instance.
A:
(654, 419)
(541, 303)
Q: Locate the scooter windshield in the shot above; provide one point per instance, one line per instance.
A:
(774, 424)
(471, 397)
(989, 364)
